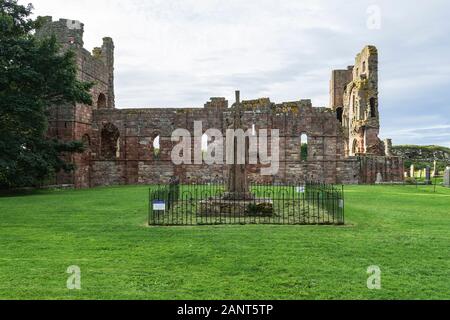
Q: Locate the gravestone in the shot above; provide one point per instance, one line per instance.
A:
(428, 175)
(412, 172)
(379, 179)
(447, 178)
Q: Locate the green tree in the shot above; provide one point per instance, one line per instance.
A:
(34, 75)
(304, 152)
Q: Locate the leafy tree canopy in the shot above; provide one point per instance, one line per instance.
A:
(34, 74)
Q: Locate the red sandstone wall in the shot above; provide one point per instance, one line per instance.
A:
(136, 163)
(391, 169)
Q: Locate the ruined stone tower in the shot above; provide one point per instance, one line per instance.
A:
(74, 122)
(354, 98)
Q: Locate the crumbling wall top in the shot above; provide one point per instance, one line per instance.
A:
(217, 103)
(67, 32)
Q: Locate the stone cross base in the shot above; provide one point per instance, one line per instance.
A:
(234, 208)
(238, 196)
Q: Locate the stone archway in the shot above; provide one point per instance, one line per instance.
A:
(101, 101)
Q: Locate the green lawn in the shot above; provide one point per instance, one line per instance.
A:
(402, 229)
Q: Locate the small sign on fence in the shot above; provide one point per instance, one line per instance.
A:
(159, 205)
(301, 189)
(341, 204)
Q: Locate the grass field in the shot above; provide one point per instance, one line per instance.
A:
(402, 229)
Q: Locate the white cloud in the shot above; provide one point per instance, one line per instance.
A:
(178, 53)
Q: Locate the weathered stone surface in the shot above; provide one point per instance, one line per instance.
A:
(343, 145)
(388, 147)
(237, 186)
(359, 106)
(379, 179)
(428, 175)
(447, 178)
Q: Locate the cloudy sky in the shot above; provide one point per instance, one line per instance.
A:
(178, 53)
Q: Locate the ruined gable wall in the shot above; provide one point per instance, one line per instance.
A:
(136, 163)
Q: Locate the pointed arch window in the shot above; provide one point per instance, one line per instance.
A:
(304, 147)
(101, 101)
(157, 146)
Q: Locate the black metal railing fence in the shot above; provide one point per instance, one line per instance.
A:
(204, 204)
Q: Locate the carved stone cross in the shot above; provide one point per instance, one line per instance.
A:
(237, 186)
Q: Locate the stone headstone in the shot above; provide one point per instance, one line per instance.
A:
(412, 172)
(379, 179)
(428, 175)
(447, 178)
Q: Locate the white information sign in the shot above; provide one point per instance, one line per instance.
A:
(159, 206)
(301, 189)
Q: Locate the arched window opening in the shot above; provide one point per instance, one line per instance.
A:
(364, 67)
(205, 145)
(304, 147)
(101, 101)
(339, 114)
(373, 107)
(157, 146)
(110, 142)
